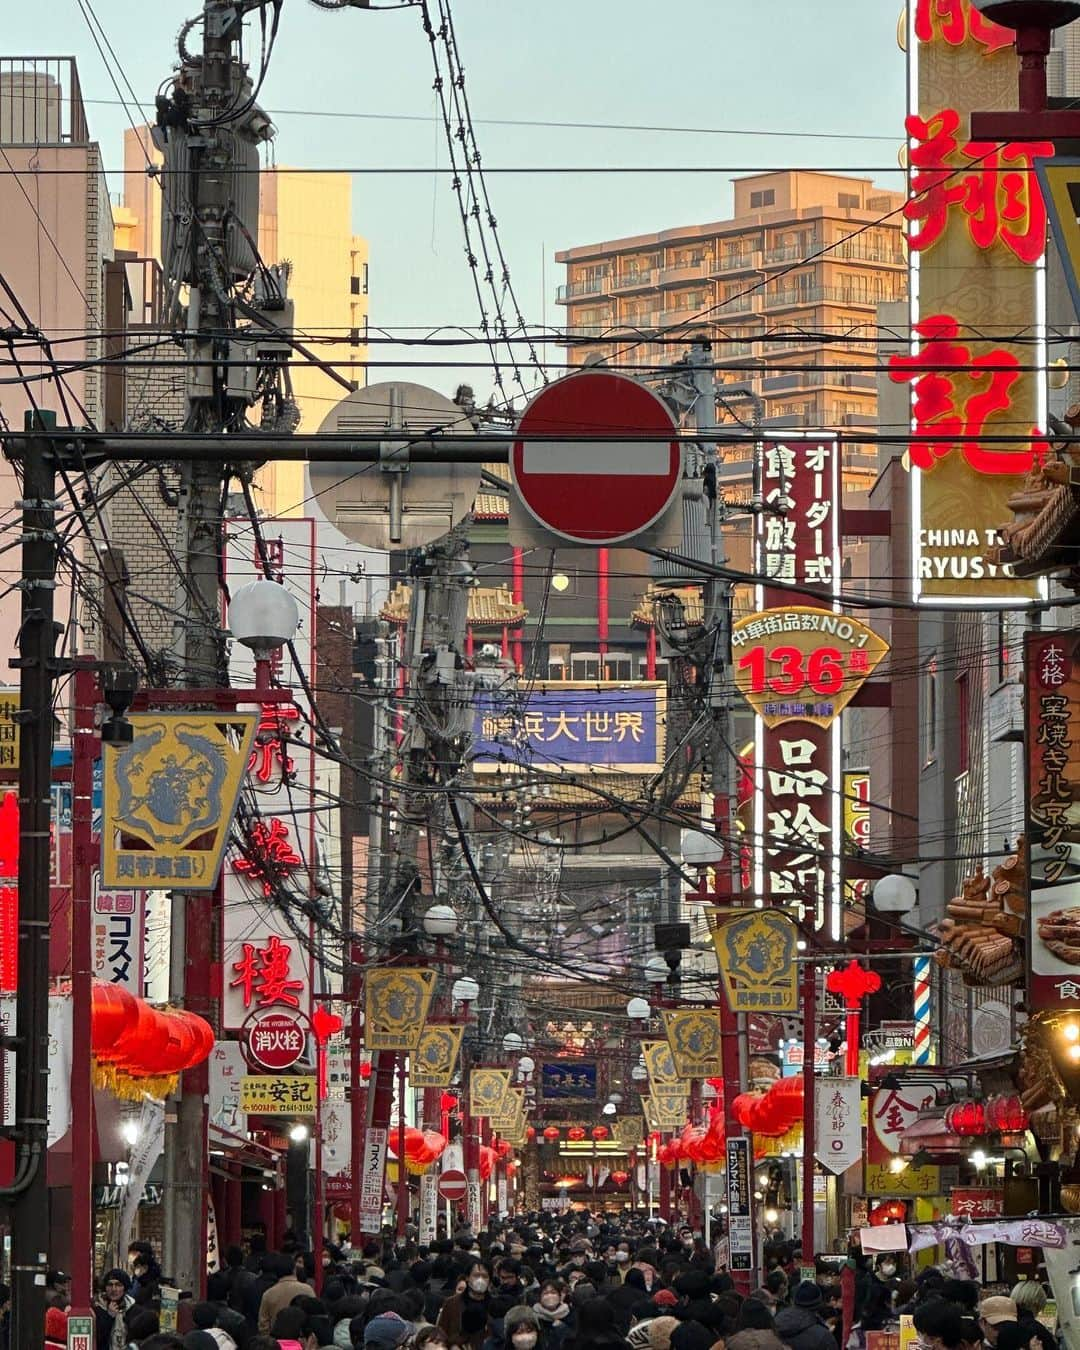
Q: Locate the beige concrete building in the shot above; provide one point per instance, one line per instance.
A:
(786, 288)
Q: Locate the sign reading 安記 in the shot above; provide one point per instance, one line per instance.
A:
(277, 1094)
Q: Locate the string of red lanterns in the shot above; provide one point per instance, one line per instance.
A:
(138, 1049)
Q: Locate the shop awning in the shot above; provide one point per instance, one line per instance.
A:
(236, 1149)
(929, 1135)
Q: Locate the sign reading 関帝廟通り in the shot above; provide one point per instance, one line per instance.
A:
(605, 724)
(170, 798)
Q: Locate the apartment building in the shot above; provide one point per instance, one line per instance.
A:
(787, 289)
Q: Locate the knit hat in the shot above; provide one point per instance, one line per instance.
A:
(665, 1298)
(117, 1274)
(386, 1330)
(660, 1329)
(520, 1316)
(807, 1295)
(691, 1336)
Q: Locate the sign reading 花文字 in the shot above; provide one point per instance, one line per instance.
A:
(880, 1179)
(434, 1060)
(396, 1003)
(603, 724)
(802, 663)
(488, 1091)
(170, 797)
(694, 1037)
(976, 231)
(756, 955)
(739, 1193)
(567, 1080)
(1052, 667)
(278, 1094)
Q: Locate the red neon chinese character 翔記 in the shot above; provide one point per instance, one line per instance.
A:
(273, 853)
(262, 975)
(944, 416)
(271, 737)
(999, 194)
(955, 21)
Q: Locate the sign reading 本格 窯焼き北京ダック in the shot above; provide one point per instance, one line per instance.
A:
(602, 724)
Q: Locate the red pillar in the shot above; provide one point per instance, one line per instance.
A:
(517, 573)
(602, 614)
(809, 1002)
(650, 652)
(84, 856)
(469, 643)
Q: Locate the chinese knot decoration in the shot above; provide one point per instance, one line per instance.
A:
(954, 21)
(324, 1024)
(852, 982)
(955, 395)
(997, 191)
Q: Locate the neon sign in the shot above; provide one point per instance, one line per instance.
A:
(272, 854)
(954, 21)
(1002, 203)
(944, 418)
(262, 975)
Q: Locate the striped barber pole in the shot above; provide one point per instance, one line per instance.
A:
(922, 1049)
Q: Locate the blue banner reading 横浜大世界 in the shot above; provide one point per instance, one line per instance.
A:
(617, 725)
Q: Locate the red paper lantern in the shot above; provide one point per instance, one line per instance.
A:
(530, 1133)
(966, 1118)
(620, 1178)
(503, 1148)
(551, 1133)
(599, 1132)
(448, 1102)
(487, 1162)
(742, 1106)
(575, 1132)
(365, 1070)
(1006, 1115)
(113, 1012)
(127, 1048)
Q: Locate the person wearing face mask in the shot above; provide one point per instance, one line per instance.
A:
(521, 1331)
(553, 1314)
(464, 1316)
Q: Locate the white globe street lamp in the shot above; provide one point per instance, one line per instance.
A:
(440, 921)
(465, 990)
(639, 1010)
(656, 970)
(895, 894)
(264, 616)
(512, 1043)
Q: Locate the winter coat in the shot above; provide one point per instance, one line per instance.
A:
(1030, 1325)
(803, 1329)
(111, 1332)
(754, 1339)
(279, 1296)
(452, 1313)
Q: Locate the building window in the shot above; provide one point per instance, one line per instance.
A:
(963, 718)
(1002, 647)
(354, 286)
(618, 666)
(848, 199)
(930, 711)
(767, 197)
(585, 666)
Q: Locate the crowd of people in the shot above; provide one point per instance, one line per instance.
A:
(540, 1283)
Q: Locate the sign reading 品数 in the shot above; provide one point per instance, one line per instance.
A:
(1053, 773)
(602, 724)
(977, 225)
(802, 663)
(277, 1094)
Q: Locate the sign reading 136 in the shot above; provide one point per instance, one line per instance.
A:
(801, 663)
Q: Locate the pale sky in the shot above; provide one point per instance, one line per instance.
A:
(772, 65)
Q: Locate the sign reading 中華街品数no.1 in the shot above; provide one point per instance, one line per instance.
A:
(278, 1094)
(170, 798)
(802, 662)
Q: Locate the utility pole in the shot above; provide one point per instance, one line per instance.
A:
(202, 112)
(434, 732)
(28, 1195)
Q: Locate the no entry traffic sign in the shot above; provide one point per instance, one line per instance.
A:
(596, 491)
(453, 1185)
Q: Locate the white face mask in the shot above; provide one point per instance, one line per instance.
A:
(622, 1257)
(550, 1300)
(478, 1284)
(888, 1271)
(524, 1340)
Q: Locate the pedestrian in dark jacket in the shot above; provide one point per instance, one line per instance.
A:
(801, 1326)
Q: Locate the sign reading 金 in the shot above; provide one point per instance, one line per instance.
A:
(1053, 774)
(802, 663)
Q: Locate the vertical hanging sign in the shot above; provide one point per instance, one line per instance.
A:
(976, 239)
(797, 759)
(739, 1198)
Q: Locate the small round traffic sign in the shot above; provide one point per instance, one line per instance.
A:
(596, 491)
(453, 1185)
(275, 1040)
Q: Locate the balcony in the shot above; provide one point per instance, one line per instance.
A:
(650, 318)
(853, 251)
(697, 271)
(41, 101)
(748, 261)
(573, 290)
(737, 304)
(828, 295)
(632, 281)
(789, 253)
(819, 379)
